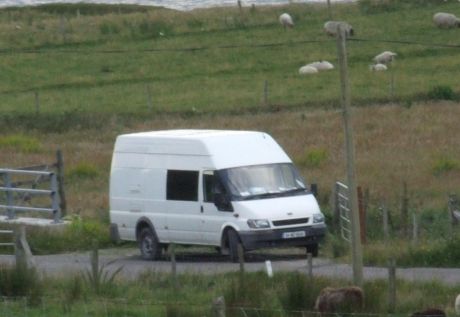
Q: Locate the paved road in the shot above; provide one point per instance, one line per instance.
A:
(206, 262)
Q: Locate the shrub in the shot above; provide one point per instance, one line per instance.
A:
(313, 158)
(298, 294)
(20, 281)
(78, 235)
(444, 165)
(109, 28)
(441, 93)
(154, 29)
(83, 170)
(21, 143)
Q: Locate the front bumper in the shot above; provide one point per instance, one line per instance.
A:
(256, 239)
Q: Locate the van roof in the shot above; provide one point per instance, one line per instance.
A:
(225, 148)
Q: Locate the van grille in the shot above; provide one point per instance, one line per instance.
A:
(290, 222)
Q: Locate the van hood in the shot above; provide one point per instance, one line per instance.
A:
(278, 208)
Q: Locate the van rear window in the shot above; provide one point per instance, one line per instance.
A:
(182, 185)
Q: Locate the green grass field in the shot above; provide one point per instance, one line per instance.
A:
(105, 61)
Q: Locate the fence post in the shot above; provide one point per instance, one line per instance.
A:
(392, 286)
(62, 28)
(148, 91)
(218, 307)
(362, 215)
(11, 214)
(329, 9)
(414, 229)
(404, 210)
(60, 181)
(266, 93)
(172, 254)
(22, 251)
(241, 258)
(310, 265)
(95, 266)
(37, 102)
(55, 199)
(386, 233)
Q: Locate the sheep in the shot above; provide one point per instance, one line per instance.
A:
(430, 312)
(378, 67)
(321, 65)
(330, 27)
(457, 305)
(286, 20)
(385, 57)
(304, 70)
(346, 299)
(446, 20)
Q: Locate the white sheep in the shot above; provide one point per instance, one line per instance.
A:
(457, 305)
(330, 27)
(446, 20)
(304, 70)
(385, 57)
(378, 67)
(286, 20)
(321, 65)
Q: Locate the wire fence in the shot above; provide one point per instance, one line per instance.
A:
(107, 307)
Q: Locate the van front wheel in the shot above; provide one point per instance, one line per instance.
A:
(148, 244)
(233, 243)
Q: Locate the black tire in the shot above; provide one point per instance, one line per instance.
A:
(148, 244)
(233, 243)
(313, 249)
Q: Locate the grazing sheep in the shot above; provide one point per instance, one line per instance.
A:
(457, 305)
(378, 67)
(430, 312)
(385, 57)
(446, 20)
(286, 20)
(334, 300)
(304, 70)
(330, 27)
(321, 65)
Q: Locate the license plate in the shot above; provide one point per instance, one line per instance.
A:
(294, 234)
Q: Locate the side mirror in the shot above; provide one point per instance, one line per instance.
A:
(314, 189)
(222, 202)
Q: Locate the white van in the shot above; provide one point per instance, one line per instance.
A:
(209, 187)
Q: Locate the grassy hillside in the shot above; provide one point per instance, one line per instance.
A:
(105, 59)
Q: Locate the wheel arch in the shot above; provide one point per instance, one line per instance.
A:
(142, 223)
(224, 236)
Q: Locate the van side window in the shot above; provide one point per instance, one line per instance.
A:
(208, 183)
(182, 185)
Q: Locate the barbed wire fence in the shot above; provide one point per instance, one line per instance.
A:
(107, 307)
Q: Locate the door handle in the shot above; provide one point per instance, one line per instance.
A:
(201, 209)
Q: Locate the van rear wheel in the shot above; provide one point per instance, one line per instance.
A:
(149, 245)
(233, 243)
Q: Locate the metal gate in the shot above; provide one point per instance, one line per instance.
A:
(17, 197)
(343, 210)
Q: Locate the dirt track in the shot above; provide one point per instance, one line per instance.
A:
(206, 262)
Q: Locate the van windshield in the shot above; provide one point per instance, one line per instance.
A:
(262, 181)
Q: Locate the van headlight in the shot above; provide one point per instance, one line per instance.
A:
(318, 218)
(258, 223)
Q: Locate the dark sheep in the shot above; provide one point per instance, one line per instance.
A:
(340, 300)
(430, 312)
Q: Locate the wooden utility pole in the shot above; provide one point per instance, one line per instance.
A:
(357, 256)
